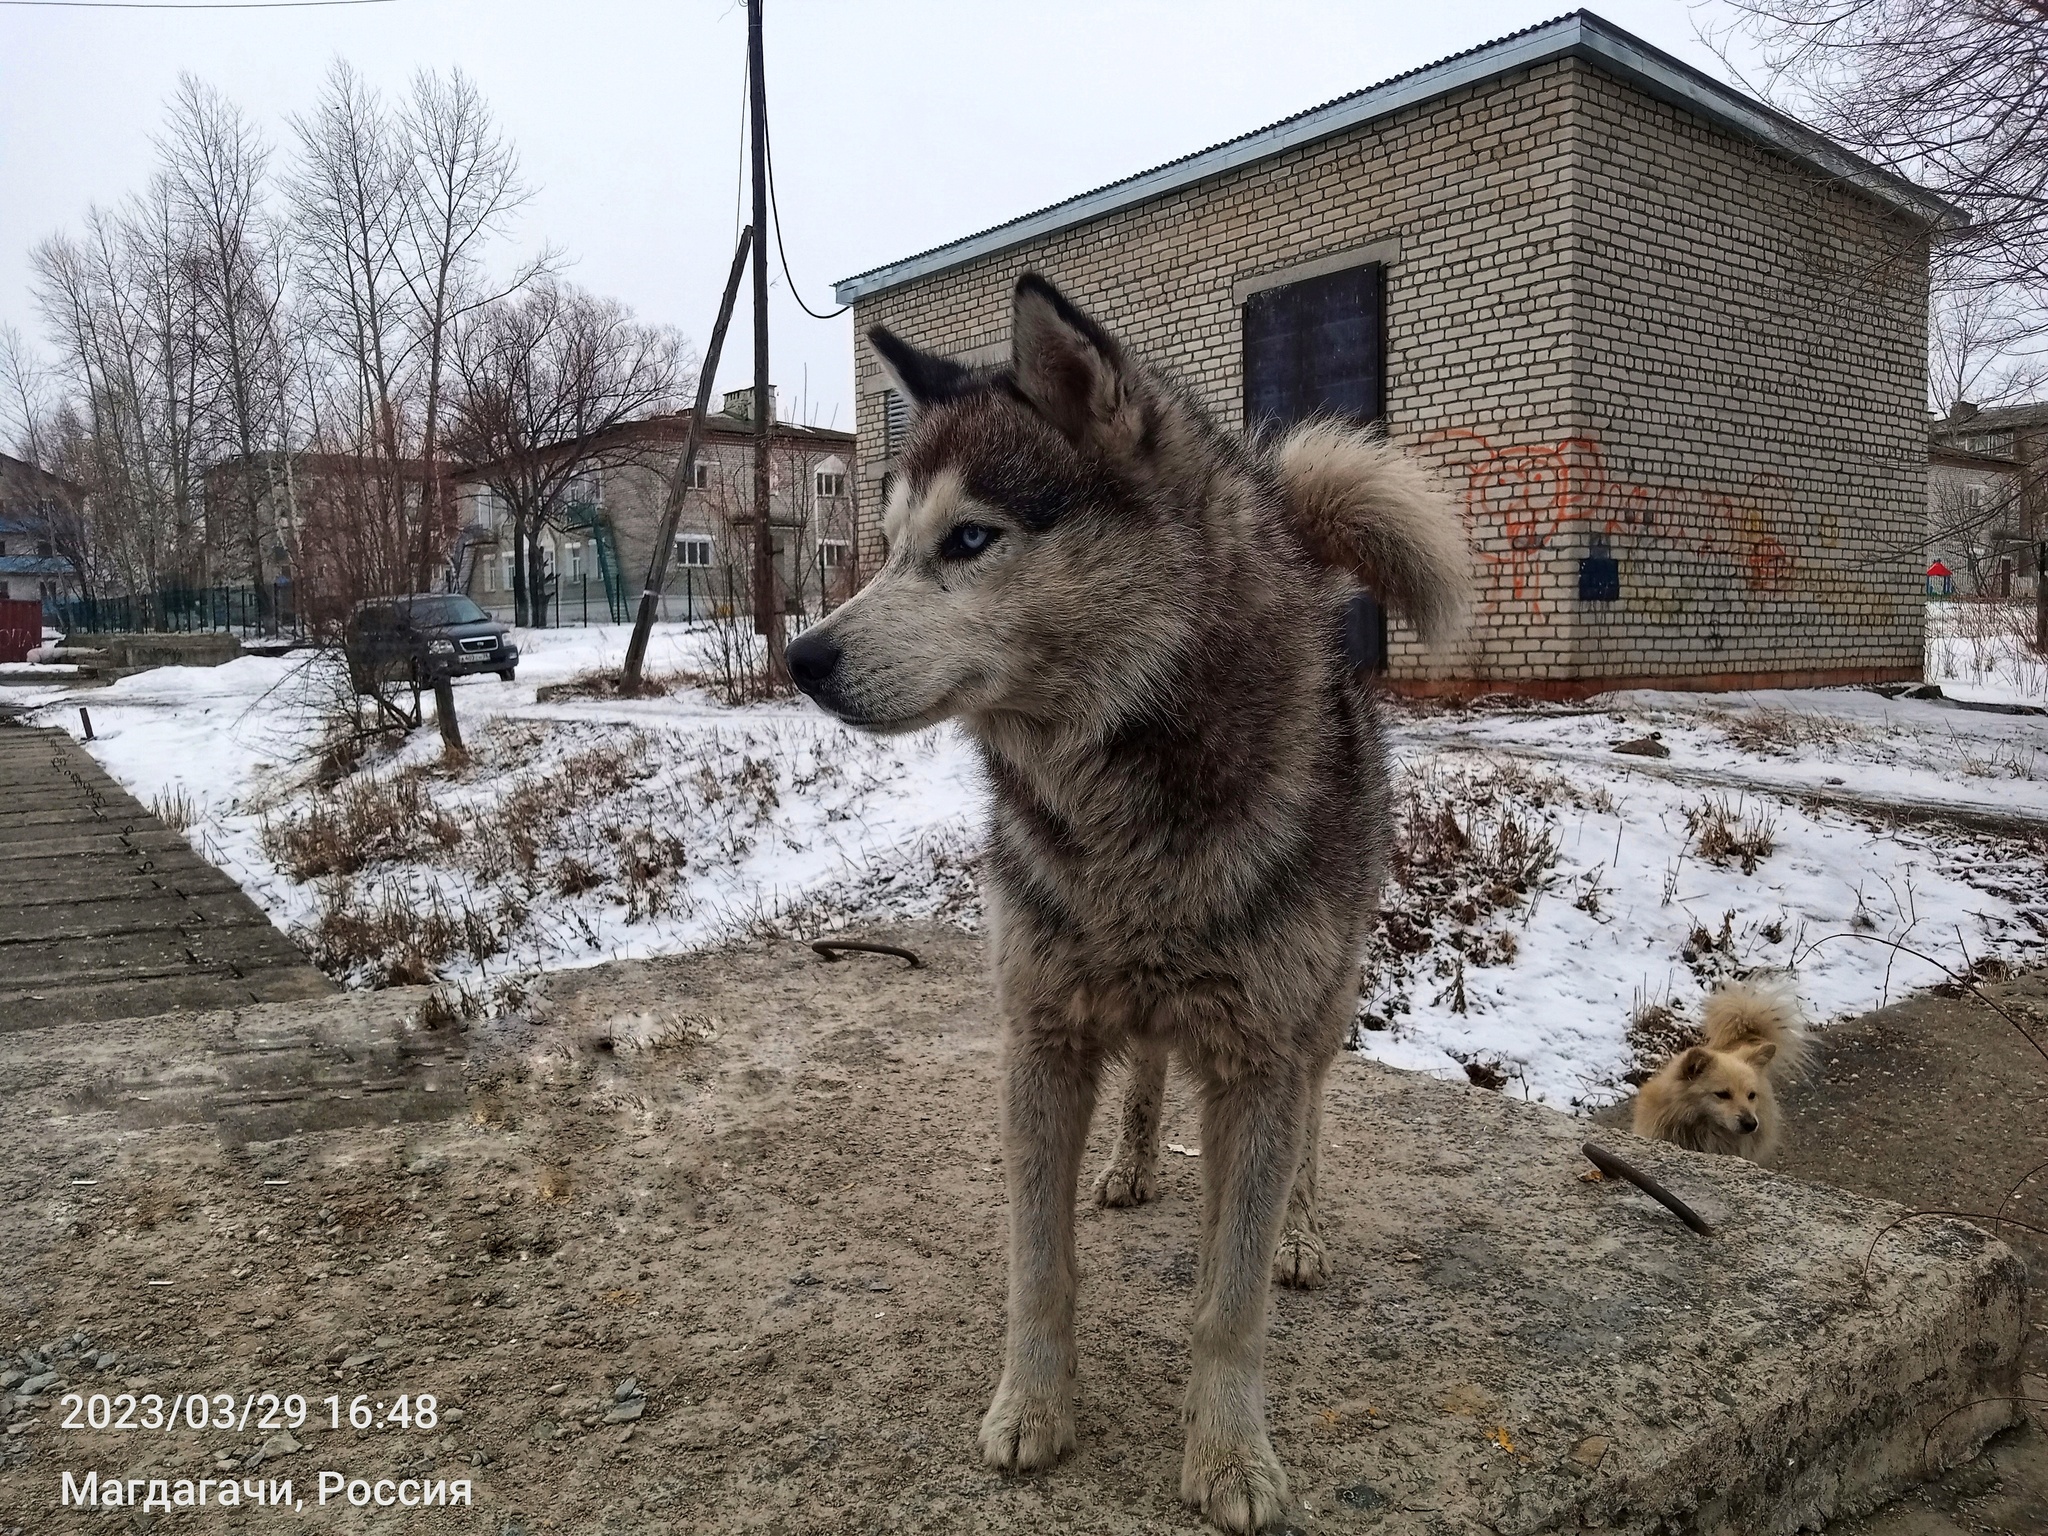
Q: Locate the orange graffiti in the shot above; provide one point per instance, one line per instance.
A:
(1520, 499)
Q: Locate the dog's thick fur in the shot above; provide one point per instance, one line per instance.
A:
(1721, 1096)
(1137, 618)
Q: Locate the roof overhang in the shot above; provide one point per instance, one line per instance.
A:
(1580, 35)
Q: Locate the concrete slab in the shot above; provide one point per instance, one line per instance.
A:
(105, 912)
(56, 1009)
(100, 917)
(769, 1190)
(1508, 1347)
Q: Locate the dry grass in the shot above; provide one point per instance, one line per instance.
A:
(1782, 732)
(397, 939)
(1473, 847)
(176, 809)
(1989, 643)
(1725, 834)
(604, 683)
(1656, 1033)
(363, 820)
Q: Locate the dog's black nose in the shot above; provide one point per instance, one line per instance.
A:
(1748, 1124)
(811, 659)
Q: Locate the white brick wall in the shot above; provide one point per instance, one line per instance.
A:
(1604, 316)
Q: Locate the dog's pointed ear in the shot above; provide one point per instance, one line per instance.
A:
(1695, 1061)
(922, 378)
(1066, 365)
(1760, 1055)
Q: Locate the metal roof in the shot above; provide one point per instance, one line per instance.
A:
(1579, 35)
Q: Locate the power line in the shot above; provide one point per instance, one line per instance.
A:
(768, 143)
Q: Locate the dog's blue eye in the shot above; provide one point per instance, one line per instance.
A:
(967, 541)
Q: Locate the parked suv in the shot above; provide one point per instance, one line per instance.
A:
(423, 638)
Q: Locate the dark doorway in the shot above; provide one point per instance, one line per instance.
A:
(1314, 348)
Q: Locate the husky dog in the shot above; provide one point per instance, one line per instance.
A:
(1137, 619)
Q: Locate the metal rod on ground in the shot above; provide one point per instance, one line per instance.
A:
(1616, 1168)
(85, 720)
(679, 482)
(444, 714)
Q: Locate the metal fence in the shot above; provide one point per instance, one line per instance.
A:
(692, 593)
(246, 610)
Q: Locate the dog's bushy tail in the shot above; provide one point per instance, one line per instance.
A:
(1738, 1014)
(1367, 508)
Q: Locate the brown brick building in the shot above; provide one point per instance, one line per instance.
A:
(597, 540)
(1667, 346)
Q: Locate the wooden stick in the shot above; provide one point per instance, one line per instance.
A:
(1614, 1167)
(830, 949)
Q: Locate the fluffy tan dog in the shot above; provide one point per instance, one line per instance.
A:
(1718, 1097)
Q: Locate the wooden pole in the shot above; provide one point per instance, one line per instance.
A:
(767, 600)
(679, 482)
(444, 715)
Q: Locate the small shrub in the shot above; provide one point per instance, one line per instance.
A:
(1656, 1033)
(175, 808)
(1725, 834)
(365, 819)
(604, 684)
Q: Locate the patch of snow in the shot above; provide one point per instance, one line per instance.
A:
(842, 828)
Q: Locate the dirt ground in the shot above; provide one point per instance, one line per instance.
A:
(1938, 1103)
(519, 1260)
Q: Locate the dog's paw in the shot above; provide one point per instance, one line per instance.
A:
(1124, 1182)
(1022, 1430)
(1239, 1486)
(1300, 1261)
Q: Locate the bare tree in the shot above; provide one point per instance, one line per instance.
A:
(121, 306)
(459, 186)
(544, 376)
(215, 163)
(25, 398)
(347, 201)
(1980, 350)
(1952, 93)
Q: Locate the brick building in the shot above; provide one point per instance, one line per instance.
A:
(1666, 345)
(39, 517)
(600, 535)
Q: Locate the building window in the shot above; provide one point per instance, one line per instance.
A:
(583, 490)
(831, 485)
(576, 560)
(833, 553)
(895, 422)
(1315, 347)
(505, 562)
(700, 476)
(43, 549)
(693, 549)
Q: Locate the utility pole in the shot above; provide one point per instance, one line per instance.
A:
(679, 482)
(767, 597)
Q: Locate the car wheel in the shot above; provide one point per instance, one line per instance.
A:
(508, 673)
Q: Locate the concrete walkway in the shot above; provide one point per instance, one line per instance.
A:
(105, 913)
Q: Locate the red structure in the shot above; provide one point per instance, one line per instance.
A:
(21, 628)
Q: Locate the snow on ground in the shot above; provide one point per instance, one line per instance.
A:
(1558, 912)
(1980, 651)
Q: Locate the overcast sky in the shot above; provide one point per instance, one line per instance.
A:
(898, 124)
